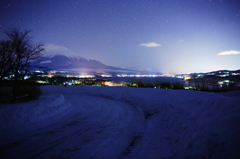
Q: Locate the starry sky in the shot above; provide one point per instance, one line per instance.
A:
(168, 36)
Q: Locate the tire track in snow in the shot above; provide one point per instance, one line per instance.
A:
(96, 127)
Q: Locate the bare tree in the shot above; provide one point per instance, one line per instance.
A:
(17, 51)
(5, 54)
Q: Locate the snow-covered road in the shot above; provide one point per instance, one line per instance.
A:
(94, 128)
(121, 122)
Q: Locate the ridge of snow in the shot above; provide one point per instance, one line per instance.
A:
(217, 118)
(32, 113)
(177, 123)
(53, 49)
(58, 54)
(67, 56)
(47, 61)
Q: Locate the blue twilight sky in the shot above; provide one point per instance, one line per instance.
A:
(170, 36)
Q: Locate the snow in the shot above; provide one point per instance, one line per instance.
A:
(47, 61)
(33, 112)
(122, 122)
(53, 49)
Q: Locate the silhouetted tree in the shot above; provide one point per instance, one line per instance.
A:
(5, 54)
(17, 51)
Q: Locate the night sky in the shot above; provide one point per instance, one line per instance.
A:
(169, 36)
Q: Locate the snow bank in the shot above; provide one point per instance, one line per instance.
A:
(29, 114)
(180, 123)
(205, 124)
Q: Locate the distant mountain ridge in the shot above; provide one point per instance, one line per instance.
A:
(60, 61)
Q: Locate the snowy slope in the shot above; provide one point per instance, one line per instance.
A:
(122, 122)
(60, 61)
(31, 113)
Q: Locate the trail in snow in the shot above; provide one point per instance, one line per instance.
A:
(122, 122)
(95, 128)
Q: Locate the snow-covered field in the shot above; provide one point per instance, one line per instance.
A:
(122, 122)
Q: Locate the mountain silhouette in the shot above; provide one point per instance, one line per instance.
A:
(63, 62)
